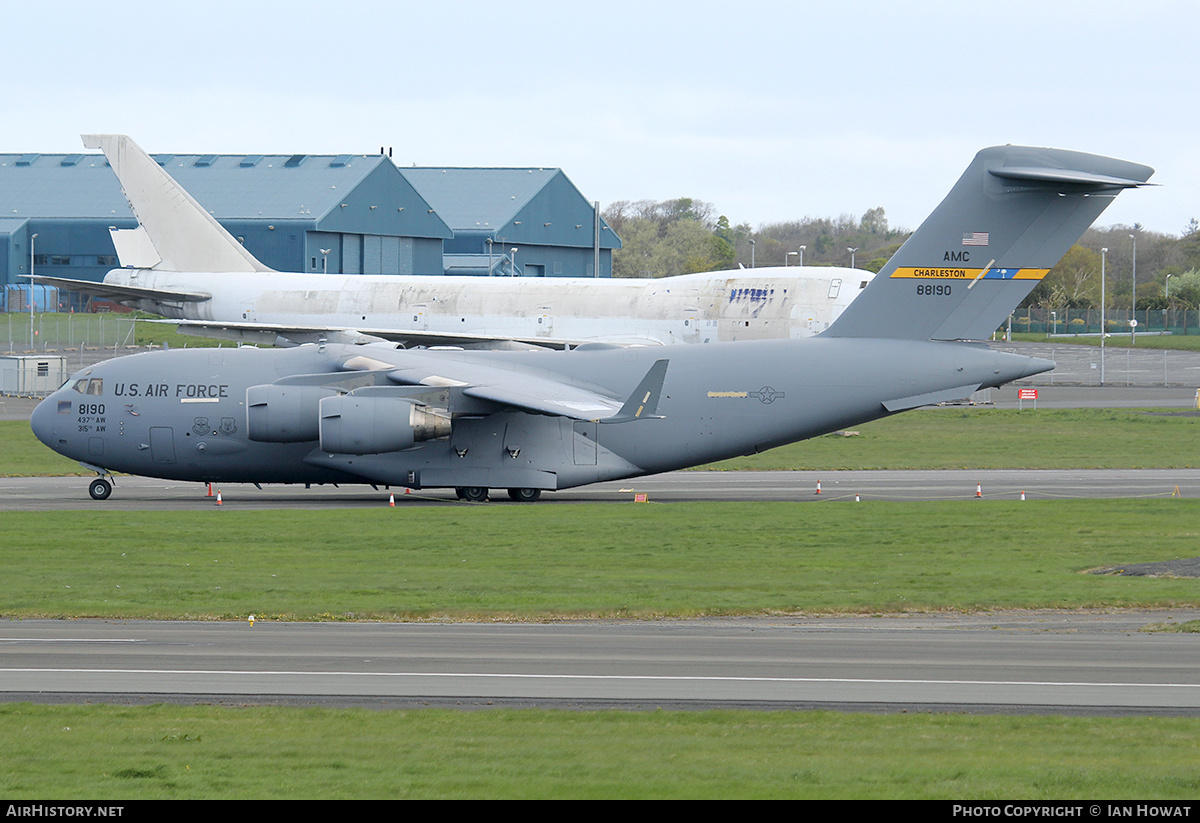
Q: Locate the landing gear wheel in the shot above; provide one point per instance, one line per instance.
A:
(525, 495)
(472, 494)
(100, 489)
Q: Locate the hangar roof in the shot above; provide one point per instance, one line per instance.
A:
(475, 199)
(532, 205)
(231, 187)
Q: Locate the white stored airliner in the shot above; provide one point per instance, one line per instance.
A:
(182, 264)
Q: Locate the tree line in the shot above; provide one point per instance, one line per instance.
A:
(685, 235)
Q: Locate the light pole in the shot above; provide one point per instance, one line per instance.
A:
(1103, 257)
(751, 254)
(802, 248)
(32, 239)
(852, 251)
(1054, 317)
(1133, 296)
(789, 254)
(514, 262)
(325, 260)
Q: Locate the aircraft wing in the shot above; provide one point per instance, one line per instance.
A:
(119, 293)
(266, 332)
(544, 394)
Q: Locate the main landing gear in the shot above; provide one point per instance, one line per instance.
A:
(524, 495)
(479, 494)
(472, 494)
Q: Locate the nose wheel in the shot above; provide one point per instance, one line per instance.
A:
(100, 488)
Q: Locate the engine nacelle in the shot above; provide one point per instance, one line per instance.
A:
(284, 414)
(366, 424)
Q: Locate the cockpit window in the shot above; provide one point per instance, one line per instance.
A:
(80, 386)
(95, 386)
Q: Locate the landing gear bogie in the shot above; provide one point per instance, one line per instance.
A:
(472, 494)
(524, 495)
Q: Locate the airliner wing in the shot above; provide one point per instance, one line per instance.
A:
(246, 331)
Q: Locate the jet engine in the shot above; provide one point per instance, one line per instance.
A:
(284, 413)
(372, 424)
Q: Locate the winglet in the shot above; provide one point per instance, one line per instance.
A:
(643, 403)
(185, 236)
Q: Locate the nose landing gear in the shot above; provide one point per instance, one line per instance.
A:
(100, 488)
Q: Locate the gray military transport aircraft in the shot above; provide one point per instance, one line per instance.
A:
(530, 421)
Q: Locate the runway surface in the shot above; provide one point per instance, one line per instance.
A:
(142, 494)
(1015, 662)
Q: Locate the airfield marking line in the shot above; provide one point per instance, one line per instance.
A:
(663, 678)
(70, 640)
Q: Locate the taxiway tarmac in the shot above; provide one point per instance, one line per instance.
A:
(1055, 662)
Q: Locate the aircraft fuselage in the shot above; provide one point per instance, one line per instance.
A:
(747, 304)
(191, 414)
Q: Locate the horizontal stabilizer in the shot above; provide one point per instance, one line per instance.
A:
(1061, 176)
(134, 248)
(117, 293)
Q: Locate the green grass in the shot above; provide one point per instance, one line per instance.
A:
(973, 437)
(941, 438)
(22, 455)
(104, 330)
(1117, 339)
(103, 753)
(581, 560)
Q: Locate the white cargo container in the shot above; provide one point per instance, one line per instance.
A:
(32, 375)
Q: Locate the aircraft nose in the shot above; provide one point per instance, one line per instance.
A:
(42, 420)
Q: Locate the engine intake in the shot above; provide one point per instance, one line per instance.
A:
(284, 414)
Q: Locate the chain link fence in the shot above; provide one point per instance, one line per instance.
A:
(1087, 321)
(45, 349)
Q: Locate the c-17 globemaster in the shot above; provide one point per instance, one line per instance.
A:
(531, 421)
(182, 264)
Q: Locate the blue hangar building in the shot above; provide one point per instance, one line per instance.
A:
(352, 214)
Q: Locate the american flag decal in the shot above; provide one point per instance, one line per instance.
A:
(975, 238)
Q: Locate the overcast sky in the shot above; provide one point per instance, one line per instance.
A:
(771, 111)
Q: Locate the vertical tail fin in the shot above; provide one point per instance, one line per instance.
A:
(185, 236)
(1010, 218)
